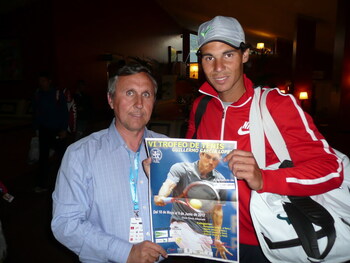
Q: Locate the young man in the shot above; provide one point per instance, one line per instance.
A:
(187, 232)
(100, 204)
(222, 52)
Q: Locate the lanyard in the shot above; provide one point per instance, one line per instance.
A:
(133, 178)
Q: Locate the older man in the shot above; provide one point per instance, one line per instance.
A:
(100, 203)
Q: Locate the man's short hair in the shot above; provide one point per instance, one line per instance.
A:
(127, 70)
(210, 152)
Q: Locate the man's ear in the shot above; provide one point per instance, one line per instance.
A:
(245, 56)
(110, 101)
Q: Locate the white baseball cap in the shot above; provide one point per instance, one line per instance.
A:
(221, 28)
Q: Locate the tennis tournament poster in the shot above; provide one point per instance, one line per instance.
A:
(193, 198)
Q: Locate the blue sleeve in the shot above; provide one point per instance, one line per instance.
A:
(71, 208)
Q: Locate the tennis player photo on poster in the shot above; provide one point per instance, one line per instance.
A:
(193, 197)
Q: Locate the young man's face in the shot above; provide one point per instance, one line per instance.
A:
(223, 67)
(208, 162)
(133, 102)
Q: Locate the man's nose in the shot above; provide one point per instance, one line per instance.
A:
(219, 65)
(211, 160)
(138, 101)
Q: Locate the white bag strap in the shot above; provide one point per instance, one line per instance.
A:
(272, 132)
(257, 140)
(261, 122)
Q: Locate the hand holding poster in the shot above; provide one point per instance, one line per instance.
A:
(193, 197)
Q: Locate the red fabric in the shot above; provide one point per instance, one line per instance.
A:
(3, 188)
(311, 155)
(72, 111)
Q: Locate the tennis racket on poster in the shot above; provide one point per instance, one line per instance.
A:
(201, 196)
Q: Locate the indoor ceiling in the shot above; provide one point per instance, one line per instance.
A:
(261, 20)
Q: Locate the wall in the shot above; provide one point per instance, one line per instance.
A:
(86, 30)
(344, 109)
(30, 27)
(68, 37)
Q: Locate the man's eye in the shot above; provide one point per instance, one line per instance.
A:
(208, 58)
(229, 55)
(130, 93)
(146, 94)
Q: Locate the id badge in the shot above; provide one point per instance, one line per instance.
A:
(136, 230)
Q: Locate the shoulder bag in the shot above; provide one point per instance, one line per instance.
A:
(296, 229)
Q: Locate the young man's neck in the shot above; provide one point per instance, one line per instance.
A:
(232, 95)
(203, 174)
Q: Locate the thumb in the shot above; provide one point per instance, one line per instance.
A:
(147, 165)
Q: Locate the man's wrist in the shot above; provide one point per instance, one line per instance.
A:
(217, 240)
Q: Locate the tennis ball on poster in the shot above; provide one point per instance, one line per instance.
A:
(195, 203)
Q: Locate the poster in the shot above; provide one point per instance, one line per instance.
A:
(193, 198)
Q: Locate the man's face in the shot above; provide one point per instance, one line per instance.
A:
(208, 162)
(223, 67)
(44, 83)
(133, 102)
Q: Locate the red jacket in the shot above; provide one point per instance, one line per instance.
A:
(316, 167)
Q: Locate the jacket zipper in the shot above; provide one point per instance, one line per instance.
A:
(223, 118)
(223, 115)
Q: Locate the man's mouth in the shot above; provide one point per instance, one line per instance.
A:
(220, 79)
(136, 114)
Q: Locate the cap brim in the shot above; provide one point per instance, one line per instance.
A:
(219, 40)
